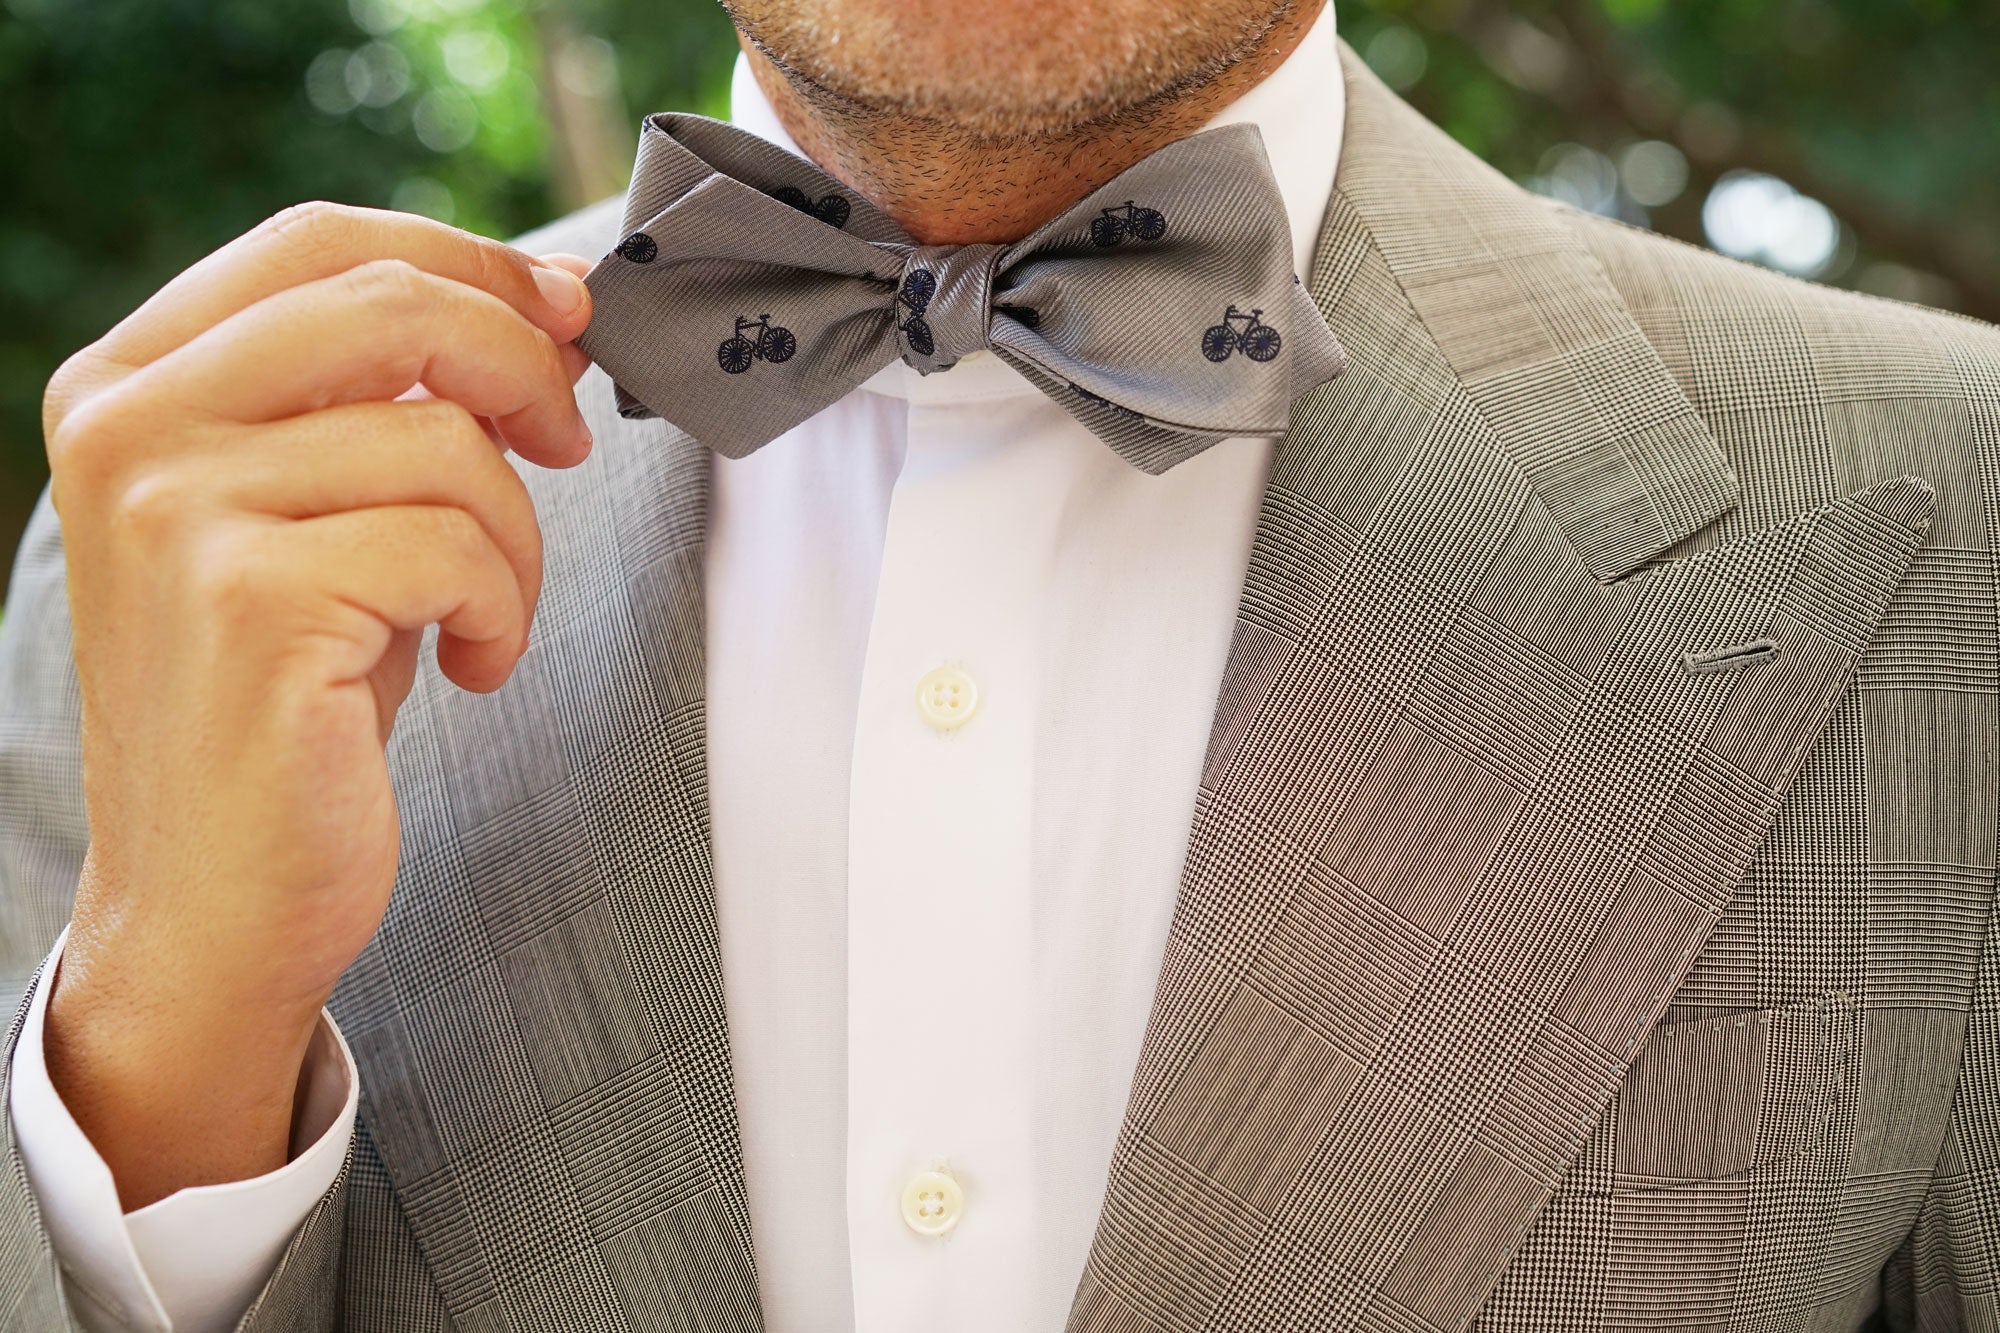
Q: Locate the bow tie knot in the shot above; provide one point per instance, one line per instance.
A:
(943, 305)
(751, 289)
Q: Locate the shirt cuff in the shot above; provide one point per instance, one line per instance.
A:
(193, 1261)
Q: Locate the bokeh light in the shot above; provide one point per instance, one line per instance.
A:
(1579, 176)
(377, 74)
(476, 57)
(425, 195)
(445, 120)
(1653, 172)
(1752, 216)
(1398, 55)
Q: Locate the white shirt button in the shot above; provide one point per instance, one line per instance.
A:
(932, 1202)
(947, 697)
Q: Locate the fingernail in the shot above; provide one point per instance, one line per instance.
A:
(562, 290)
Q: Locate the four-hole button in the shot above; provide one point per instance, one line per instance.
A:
(932, 1203)
(947, 697)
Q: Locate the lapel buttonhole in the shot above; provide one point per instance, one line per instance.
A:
(1728, 659)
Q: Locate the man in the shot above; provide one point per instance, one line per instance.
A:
(1515, 850)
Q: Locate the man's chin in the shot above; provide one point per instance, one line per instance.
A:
(1006, 69)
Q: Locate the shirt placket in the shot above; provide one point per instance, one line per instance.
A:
(940, 968)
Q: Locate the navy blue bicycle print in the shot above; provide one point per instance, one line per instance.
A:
(766, 342)
(919, 286)
(1113, 225)
(639, 248)
(1257, 340)
(831, 209)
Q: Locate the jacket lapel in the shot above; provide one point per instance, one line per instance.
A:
(539, 1022)
(1470, 808)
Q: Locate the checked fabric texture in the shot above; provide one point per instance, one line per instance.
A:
(1587, 921)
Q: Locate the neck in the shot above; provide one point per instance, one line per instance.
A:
(945, 186)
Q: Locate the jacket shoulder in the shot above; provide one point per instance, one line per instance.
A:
(1813, 392)
(1739, 336)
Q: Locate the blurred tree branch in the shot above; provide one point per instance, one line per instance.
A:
(1600, 83)
(591, 139)
(1609, 72)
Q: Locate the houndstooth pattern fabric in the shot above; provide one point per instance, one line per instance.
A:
(1587, 916)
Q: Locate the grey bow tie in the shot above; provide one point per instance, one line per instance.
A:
(752, 289)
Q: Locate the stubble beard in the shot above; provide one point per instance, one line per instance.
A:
(1013, 71)
(976, 120)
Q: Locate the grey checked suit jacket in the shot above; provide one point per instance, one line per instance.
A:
(1522, 977)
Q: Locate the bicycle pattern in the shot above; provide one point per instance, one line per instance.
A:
(831, 209)
(639, 248)
(919, 286)
(1113, 225)
(771, 342)
(1257, 340)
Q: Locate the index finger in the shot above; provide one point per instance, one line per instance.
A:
(319, 240)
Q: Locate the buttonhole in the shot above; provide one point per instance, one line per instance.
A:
(1728, 659)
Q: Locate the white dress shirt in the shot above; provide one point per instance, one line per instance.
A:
(962, 662)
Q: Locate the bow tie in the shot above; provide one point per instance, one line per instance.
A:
(752, 289)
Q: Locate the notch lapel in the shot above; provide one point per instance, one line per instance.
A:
(539, 1021)
(1468, 815)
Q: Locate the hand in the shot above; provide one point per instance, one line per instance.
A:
(271, 478)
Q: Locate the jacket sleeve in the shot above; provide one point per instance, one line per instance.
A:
(1946, 1276)
(43, 836)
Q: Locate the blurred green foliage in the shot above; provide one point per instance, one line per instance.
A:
(140, 134)
(1886, 111)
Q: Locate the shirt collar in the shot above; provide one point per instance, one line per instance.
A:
(1299, 108)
